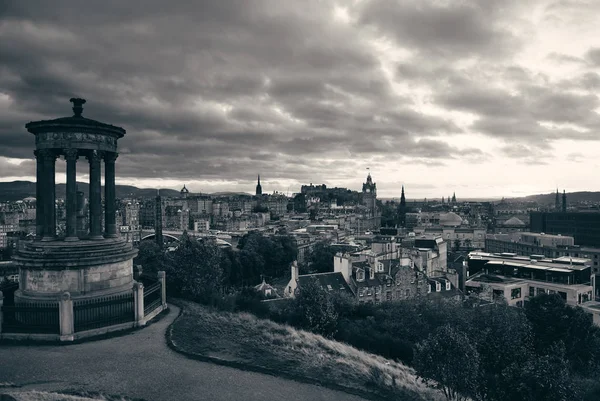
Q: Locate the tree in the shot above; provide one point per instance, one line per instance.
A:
(554, 321)
(315, 309)
(540, 378)
(266, 256)
(448, 361)
(194, 270)
(503, 338)
(321, 256)
(150, 256)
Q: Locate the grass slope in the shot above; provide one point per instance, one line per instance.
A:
(244, 340)
(64, 396)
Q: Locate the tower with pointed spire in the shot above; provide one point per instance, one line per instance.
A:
(454, 198)
(564, 202)
(402, 198)
(402, 209)
(557, 201)
(184, 192)
(369, 199)
(258, 187)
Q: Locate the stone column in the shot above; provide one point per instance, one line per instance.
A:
(66, 318)
(49, 190)
(95, 195)
(163, 287)
(1, 314)
(110, 223)
(137, 271)
(81, 229)
(71, 158)
(138, 298)
(39, 195)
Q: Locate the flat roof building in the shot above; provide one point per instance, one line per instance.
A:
(516, 278)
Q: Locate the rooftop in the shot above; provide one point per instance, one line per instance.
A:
(562, 264)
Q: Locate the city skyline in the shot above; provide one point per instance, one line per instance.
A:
(489, 100)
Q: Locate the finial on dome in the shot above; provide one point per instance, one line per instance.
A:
(77, 106)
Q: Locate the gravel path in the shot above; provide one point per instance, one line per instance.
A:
(140, 364)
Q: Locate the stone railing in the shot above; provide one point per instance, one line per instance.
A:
(69, 319)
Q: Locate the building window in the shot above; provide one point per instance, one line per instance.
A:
(407, 293)
(369, 291)
(531, 292)
(388, 296)
(360, 275)
(361, 293)
(515, 293)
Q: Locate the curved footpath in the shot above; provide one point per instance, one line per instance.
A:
(141, 365)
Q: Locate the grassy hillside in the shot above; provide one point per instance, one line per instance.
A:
(242, 339)
(62, 396)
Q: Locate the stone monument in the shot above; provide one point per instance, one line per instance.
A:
(85, 263)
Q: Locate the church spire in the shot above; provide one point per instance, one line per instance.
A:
(564, 202)
(258, 187)
(402, 198)
(557, 201)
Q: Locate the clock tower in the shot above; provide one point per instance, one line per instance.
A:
(369, 194)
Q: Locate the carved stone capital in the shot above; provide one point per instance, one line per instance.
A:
(95, 156)
(110, 157)
(47, 155)
(70, 154)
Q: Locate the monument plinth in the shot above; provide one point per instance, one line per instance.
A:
(86, 263)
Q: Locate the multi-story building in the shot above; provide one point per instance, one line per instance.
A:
(147, 213)
(516, 278)
(201, 224)
(467, 237)
(548, 245)
(277, 205)
(129, 214)
(304, 242)
(5, 229)
(583, 226)
(429, 255)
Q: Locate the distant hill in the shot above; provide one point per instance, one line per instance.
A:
(231, 194)
(572, 197)
(17, 190)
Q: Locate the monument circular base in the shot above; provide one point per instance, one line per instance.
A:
(85, 269)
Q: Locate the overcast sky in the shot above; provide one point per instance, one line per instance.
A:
(485, 98)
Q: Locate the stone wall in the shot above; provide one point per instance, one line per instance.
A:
(77, 281)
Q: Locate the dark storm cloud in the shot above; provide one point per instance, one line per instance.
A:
(208, 84)
(226, 89)
(452, 29)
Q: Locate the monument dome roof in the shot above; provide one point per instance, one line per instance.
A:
(450, 219)
(514, 221)
(74, 123)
